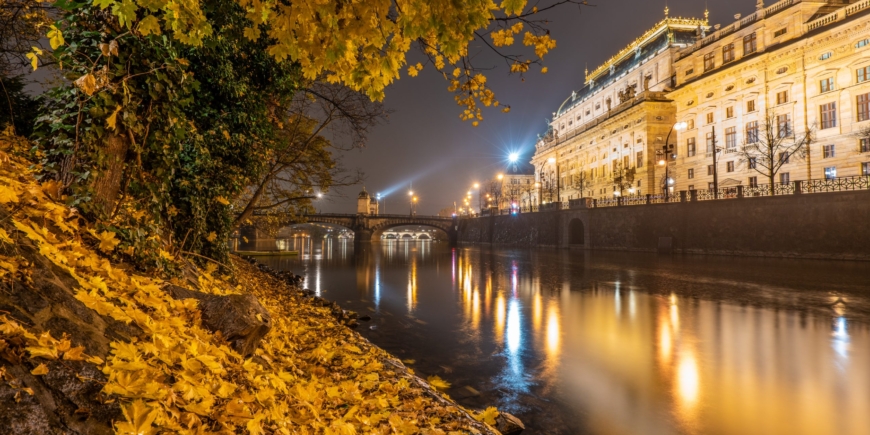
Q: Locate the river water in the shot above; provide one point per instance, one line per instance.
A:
(608, 343)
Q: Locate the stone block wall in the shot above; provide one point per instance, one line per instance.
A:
(825, 225)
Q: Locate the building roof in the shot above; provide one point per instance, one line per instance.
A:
(520, 168)
(670, 31)
(364, 194)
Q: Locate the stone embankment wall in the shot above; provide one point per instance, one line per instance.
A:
(824, 225)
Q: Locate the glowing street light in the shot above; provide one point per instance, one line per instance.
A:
(500, 176)
(513, 157)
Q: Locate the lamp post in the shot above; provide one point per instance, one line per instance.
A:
(665, 155)
(552, 160)
(498, 193)
(411, 199)
(479, 199)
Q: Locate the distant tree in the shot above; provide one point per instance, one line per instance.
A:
(580, 182)
(622, 178)
(773, 144)
(322, 119)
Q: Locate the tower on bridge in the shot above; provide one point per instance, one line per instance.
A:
(365, 204)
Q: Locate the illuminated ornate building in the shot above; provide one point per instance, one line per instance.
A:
(797, 65)
(611, 128)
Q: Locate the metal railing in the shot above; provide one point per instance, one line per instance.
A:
(841, 184)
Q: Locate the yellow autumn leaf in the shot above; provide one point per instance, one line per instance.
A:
(544, 70)
(4, 236)
(412, 71)
(34, 57)
(55, 37)
(107, 241)
(41, 369)
(212, 236)
(139, 418)
(222, 200)
(113, 118)
(488, 416)
(7, 194)
(149, 26)
(438, 383)
(457, 72)
(74, 354)
(87, 83)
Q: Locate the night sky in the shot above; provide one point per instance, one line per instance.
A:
(425, 142)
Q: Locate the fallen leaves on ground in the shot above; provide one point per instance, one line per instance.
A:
(310, 374)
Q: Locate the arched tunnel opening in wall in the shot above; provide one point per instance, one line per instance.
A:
(576, 232)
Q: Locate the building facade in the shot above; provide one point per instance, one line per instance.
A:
(688, 92)
(514, 187)
(366, 205)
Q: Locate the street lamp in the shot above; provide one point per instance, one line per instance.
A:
(664, 155)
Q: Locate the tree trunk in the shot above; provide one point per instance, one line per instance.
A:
(770, 183)
(107, 183)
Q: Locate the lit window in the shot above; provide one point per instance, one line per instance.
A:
(709, 61)
(750, 106)
(752, 132)
(784, 178)
(865, 168)
(690, 147)
(829, 115)
(863, 104)
(639, 159)
(728, 53)
(749, 45)
(830, 173)
(731, 139)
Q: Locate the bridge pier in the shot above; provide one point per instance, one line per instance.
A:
(362, 235)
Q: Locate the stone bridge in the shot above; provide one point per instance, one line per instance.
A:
(365, 227)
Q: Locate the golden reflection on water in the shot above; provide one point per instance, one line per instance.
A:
(646, 364)
(633, 360)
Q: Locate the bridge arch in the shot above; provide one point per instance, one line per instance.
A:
(576, 232)
(366, 226)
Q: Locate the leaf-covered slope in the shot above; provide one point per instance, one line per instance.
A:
(89, 346)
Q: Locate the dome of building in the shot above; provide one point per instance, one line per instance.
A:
(364, 194)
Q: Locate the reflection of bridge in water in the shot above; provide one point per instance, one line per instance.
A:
(373, 227)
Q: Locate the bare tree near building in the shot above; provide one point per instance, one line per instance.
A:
(580, 182)
(622, 177)
(771, 144)
(527, 195)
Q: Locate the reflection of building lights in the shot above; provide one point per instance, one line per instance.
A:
(687, 380)
(377, 287)
(632, 306)
(841, 337)
(553, 332)
(499, 317)
(665, 342)
(617, 302)
(513, 326)
(536, 311)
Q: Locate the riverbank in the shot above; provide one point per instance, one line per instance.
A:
(88, 345)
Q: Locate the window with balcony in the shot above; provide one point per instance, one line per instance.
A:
(782, 97)
(691, 173)
(749, 44)
(729, 166)
(863, 74)
(729, 112)
(710, 118)
(864, 144)
(639, 163)
(753, 181)
(731, 139)
(865, 168)
(728, 53)
(750, 106)
(828, 151)
(690, 147)
(829, 115)
(752, 132)
(863, 107)
(709, 61)
(830, 172)
(784, 178)
(783, 125)
(826, 85)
